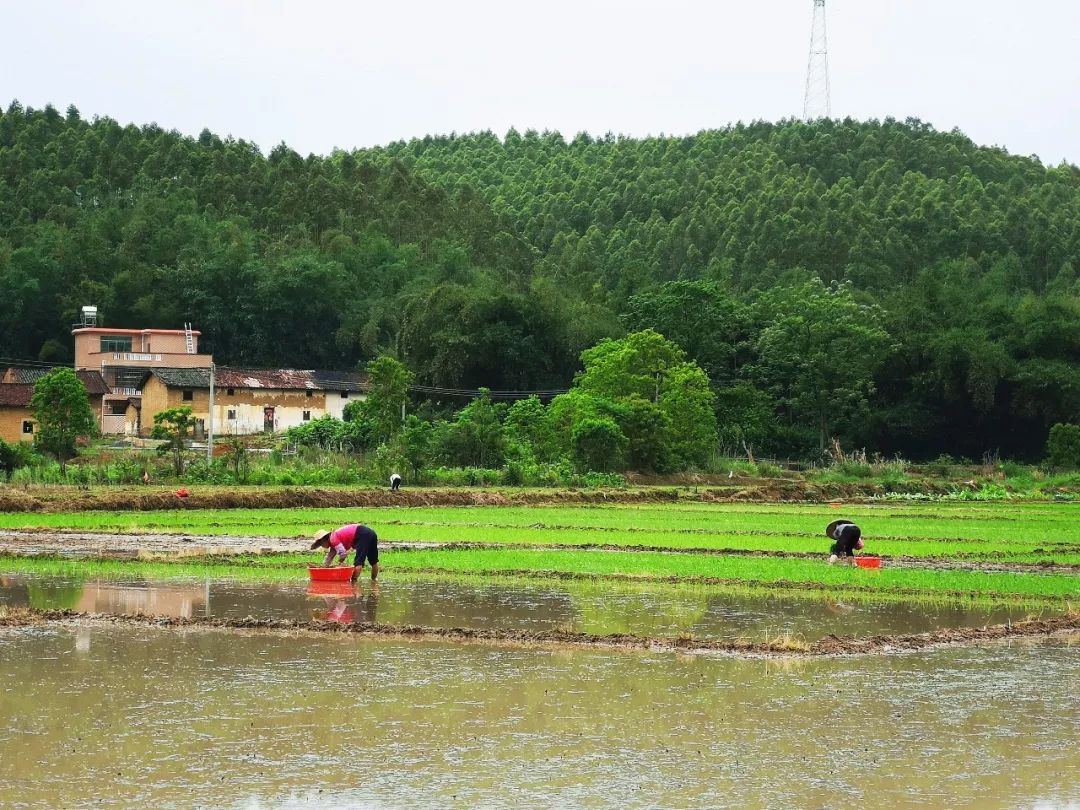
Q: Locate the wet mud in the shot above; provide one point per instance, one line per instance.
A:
(830, 646)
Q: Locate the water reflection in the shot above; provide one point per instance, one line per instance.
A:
(581, 606)
(345, 602)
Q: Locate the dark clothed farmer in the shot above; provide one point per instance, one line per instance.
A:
(846, 537)
(357, 537)
(395, 482)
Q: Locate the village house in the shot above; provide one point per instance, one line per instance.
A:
(249, 400)
(17, 422)
(122, 356)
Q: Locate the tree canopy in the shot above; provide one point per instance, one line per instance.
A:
(481, 261)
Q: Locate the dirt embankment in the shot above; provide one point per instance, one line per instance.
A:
(831, 645)
(746, 490)
(146, 500)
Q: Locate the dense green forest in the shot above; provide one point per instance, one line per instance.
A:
(898, 287)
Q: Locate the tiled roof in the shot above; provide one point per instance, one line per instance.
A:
(182, 377)
(340, 380)
(280, 379)
(94, 382)
(15, 395)
(284, 379)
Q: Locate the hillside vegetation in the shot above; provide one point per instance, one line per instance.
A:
(901, 288)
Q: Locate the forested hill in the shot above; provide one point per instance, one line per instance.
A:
(872, 203)
(896, 286)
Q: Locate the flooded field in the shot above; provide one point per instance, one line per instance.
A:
(655, 611)
(106, 716)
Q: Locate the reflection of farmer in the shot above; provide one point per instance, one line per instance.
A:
(355, 536)
(395, 482)
(337, 610)
(345, 605)
(847, 539)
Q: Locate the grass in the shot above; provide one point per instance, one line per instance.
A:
(1006, 533)
(758, 570)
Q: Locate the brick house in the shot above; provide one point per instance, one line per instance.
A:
(16, 422)
(16, 389)
(250, 400)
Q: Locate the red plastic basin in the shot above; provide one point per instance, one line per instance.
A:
(868, 562)
(340, 574)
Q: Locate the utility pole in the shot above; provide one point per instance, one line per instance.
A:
(817, 103)
(210, 422)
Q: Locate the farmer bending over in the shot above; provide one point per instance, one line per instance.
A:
(847, 539)
(395, 482)
(355, 536)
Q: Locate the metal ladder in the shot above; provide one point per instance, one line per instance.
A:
(189, 338)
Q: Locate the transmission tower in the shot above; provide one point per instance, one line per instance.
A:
(818, 101)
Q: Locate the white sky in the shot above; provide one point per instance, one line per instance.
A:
(319, 74)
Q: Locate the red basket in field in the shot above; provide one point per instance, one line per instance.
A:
(868, 562)
(340, 574)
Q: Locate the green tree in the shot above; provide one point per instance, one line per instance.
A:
(645, 367)
(819, 353)
(174, 425)
(599, 445)
(416, 444)
(62, 410)
(526, 425)
(476, 437)
(385, 403)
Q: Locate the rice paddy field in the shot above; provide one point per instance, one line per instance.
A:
(960, 550)
(629, 655)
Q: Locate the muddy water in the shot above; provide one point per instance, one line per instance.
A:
(579, 607)
(122, 717)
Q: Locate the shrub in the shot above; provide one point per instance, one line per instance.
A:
(1063, 447)
(940, 466)
(14, 456)
(766, 469)
(1013, 469)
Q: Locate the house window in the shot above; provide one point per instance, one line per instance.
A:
(307, 416)
(189, 396)
(231, 392)
(27, 426)
(309, 393)
(115, 343)
(232, 415)
(344, 394)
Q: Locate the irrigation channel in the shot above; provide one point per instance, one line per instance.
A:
(131, 682)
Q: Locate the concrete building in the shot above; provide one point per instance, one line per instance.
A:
(122, 357)
(250, 400)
